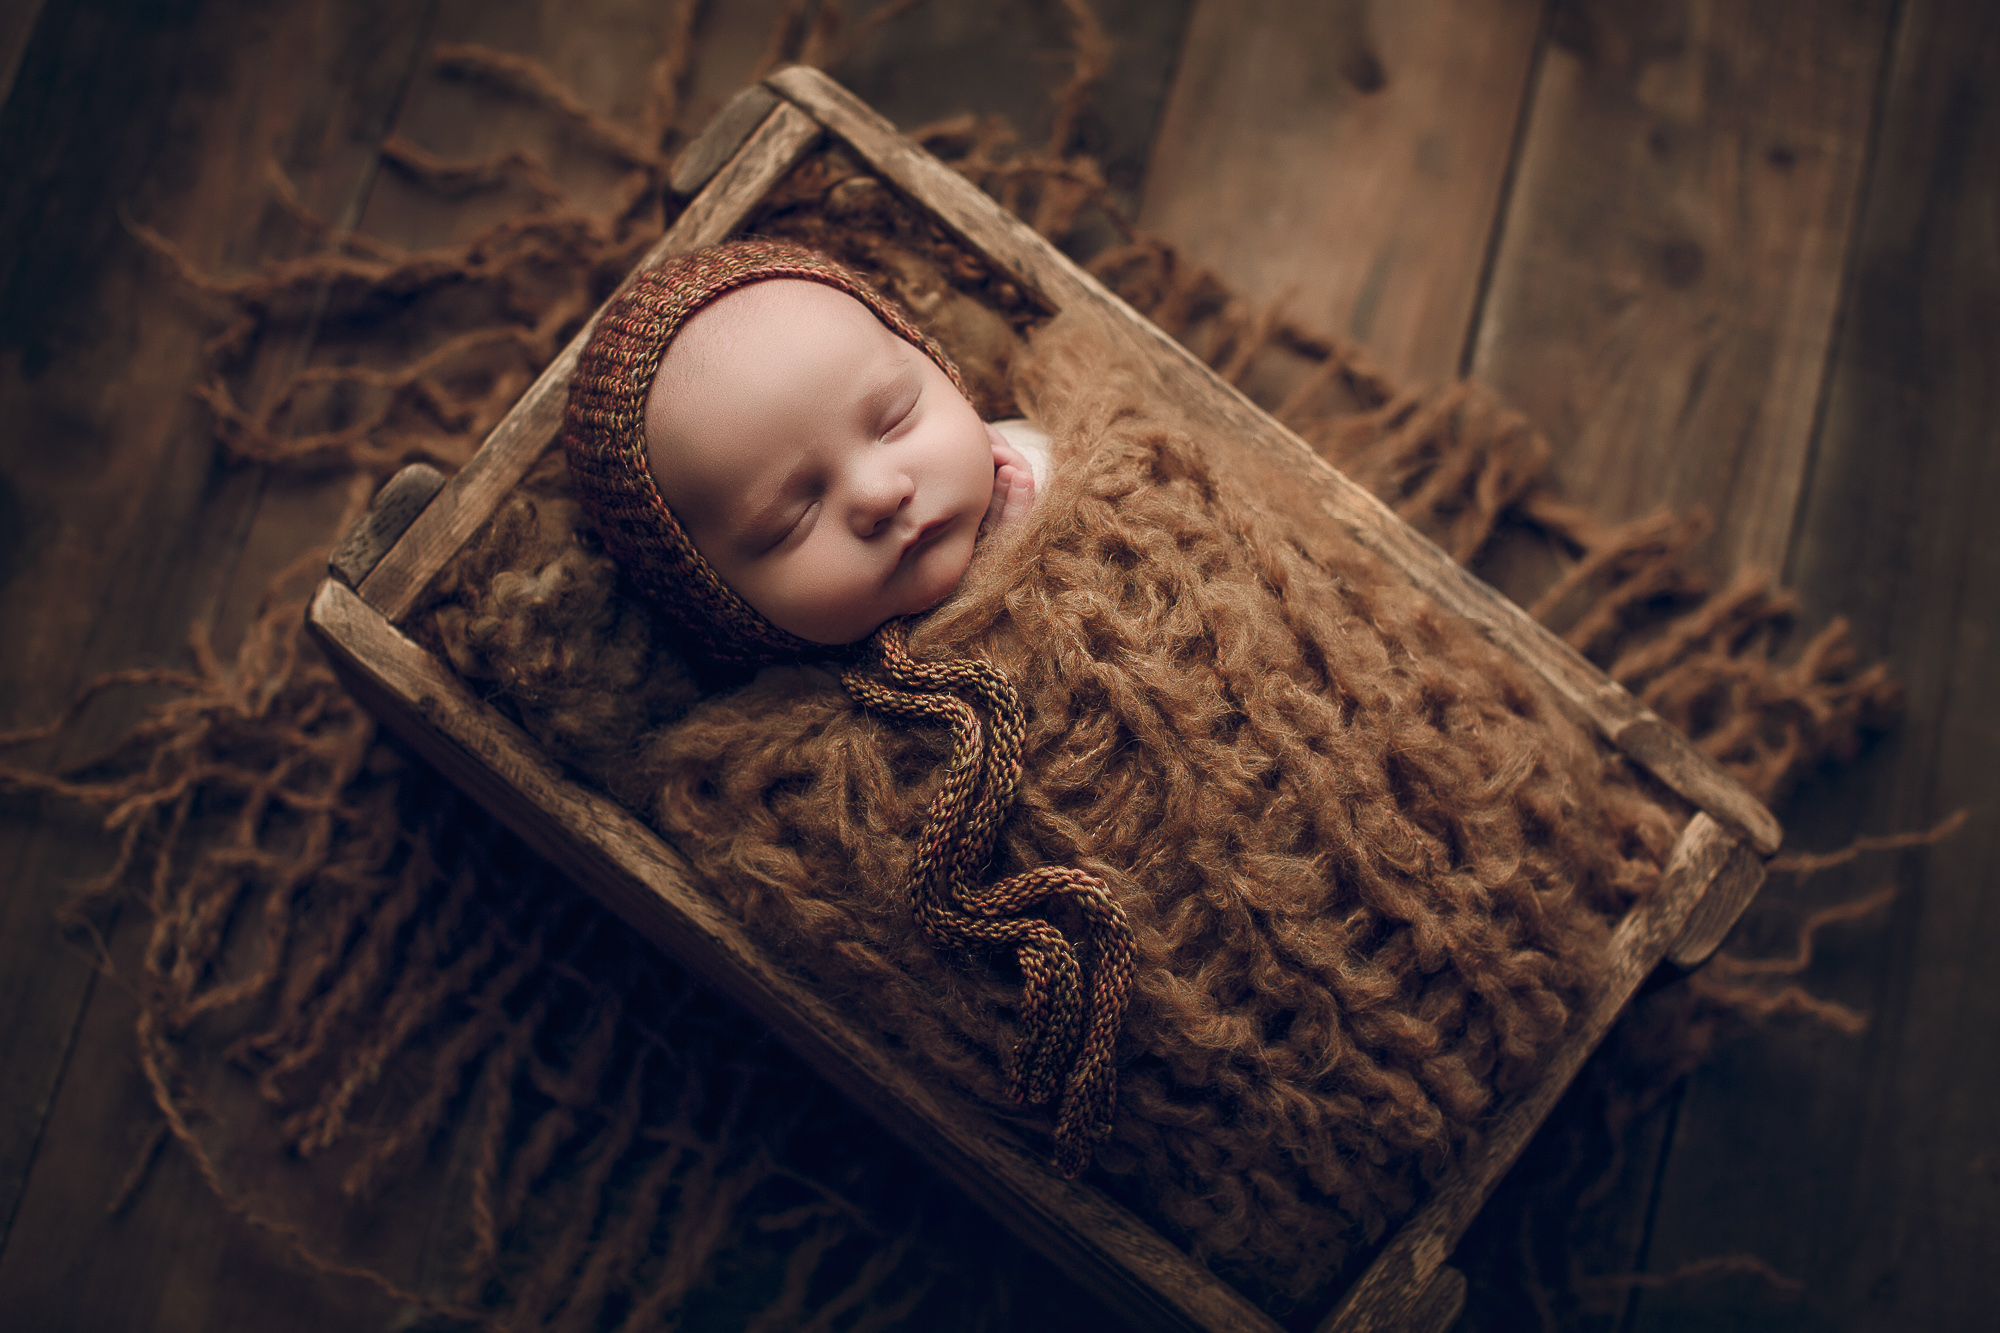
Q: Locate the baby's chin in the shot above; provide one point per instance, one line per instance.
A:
(936, 577)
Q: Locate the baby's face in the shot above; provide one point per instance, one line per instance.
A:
(825, 468)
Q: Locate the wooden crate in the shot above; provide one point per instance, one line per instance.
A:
(382, 570)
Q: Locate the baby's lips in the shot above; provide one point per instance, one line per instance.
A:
(921, 538)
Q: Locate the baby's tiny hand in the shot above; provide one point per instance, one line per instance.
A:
(1013, 487)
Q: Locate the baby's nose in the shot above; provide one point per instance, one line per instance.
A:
(879, 494)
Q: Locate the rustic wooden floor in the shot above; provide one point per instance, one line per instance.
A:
(1744, 255)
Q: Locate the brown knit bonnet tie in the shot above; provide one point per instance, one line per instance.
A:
(1069, 1031)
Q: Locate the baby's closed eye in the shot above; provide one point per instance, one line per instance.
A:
(891, 408)
(899, 420)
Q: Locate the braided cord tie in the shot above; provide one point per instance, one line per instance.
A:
(1067, 1039)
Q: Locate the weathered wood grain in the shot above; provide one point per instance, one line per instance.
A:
(940, 60)
(399, 580)
(652, 887)
(1868, 1167)
(721, 137)
(119, 526)
(392, 511)
(1665, 285)
(1719, 909)
(1390, 1294)
(1348, 158)
(1441, 1304)
(1039, 268)
(1662, 296)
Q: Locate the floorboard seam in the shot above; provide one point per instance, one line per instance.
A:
(54, 1090)
(1503, 201)
(1864, 189)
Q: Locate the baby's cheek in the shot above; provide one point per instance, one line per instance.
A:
(836, 581)
(810, 593)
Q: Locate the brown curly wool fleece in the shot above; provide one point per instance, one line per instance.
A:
(1368, 867)
(532, 609)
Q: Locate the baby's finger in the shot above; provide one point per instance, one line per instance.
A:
(1020, 493)
(996, 508)
(1004, 454)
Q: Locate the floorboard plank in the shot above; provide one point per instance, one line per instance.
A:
(1349, 158)
(1664, 291)
(174, 1261)
(129, 522)
(941, 60)
(1662, 300)
(1867, 1167)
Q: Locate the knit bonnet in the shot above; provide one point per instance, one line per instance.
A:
(1069, 1025)
(604, 434)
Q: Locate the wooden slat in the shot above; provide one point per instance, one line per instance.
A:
(400, 579)
(1039, 268)
(1662, 296)
(720, 139)
(1349, 157)
(651, 886)
(1664, 292)
(1719, 909)
(1389, 1294)
(392, 511)
(1442, 1302)
(1867, 1166)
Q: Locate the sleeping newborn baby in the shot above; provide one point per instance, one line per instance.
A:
(779, 460)
(829, 471)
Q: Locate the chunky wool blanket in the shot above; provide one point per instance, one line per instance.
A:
(1368, 865)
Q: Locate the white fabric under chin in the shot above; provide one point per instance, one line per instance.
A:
(1033, 442)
